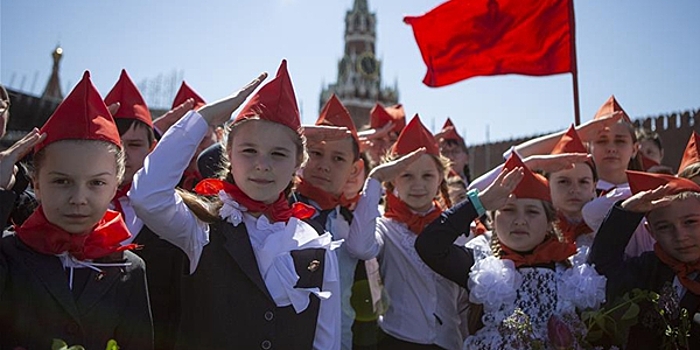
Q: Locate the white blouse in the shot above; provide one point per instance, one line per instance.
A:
(154, 198)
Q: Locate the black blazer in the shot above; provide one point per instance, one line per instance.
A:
(645, 272)
(37, 305)
(226, 305)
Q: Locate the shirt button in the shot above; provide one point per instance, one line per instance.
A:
(269, 316)
(266, 345)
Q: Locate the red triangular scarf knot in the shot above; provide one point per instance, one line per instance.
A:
(105, 239)
(681, 269)
(280, 210)
(398, 210)
(549, 251)
(572, 231)
(324, 199)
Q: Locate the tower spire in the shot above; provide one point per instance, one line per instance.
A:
(53, 87)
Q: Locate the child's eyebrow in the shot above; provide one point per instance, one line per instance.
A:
(93, 175)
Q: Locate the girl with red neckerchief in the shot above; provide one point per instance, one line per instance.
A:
(520, 274)
(64, 272)
(259, 275)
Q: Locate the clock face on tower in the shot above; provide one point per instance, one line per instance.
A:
(367, 65)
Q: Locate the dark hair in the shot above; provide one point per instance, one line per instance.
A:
(207, 208)
(125, 124)
(590, 165)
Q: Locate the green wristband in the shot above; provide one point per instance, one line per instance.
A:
(474, 198)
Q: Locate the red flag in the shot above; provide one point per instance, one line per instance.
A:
(461, 39)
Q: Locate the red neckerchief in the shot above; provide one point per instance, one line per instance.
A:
(280, 210)
(570, 230)
(190, 179)
(46, 238)
(121, 192)
(549, 251)
(324, 199)
(398, 210)
(681, 269)
(479, 228)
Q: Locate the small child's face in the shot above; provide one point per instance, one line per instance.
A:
(76, 183)
(521, 224)
(136, 147)
(263, 159)
(456, 154)
(571, 189)
(331, 164)
(676, 228)
(418, 185)
(650, 150)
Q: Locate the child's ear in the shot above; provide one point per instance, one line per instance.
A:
(635, 149)
(357, 167)
(153, 145)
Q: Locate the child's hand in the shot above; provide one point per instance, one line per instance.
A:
(441, 135)
(318, 133)
(165, 121)
(12, 155)
(113, 108)
(219, 112)
(369, 135)
(550, 163)
(496, 195)
(388, 171)
(589, 131)
(647, 201)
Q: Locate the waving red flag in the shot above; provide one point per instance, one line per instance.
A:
(461, 39)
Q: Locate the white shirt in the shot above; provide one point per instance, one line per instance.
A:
(423, 306)
(155, 201)
(133, 223)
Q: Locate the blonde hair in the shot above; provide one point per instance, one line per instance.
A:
(207, 208)
(119, 156)
(443, 165)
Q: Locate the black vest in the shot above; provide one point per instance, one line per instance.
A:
(165, 264)
(226, 305)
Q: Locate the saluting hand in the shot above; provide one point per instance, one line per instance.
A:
(551, 163)
(647, 201)
(318, 133)
(589, 130)
(165, 121)
(10, 156)
(219, 112)
(388, 171)
(499, 191)
(368, 136)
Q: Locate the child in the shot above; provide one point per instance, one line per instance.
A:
(672, 208)
(423, 310)
(163, 259)
(259, 276)
(64, 273)
(453, 147)
(331, 164)
(522, 273)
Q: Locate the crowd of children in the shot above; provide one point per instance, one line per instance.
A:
(199, 230)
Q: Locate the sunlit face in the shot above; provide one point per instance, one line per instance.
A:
(521, 224)
(676, 228)
(418, 185)
(76, 183)
(262, 167)
(613, 149)
(136, 147)
(571, 189)
(456, 154)
(331, 164)
(650, 150)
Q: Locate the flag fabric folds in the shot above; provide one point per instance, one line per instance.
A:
(461, 39)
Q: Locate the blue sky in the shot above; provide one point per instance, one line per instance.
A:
(643, 51)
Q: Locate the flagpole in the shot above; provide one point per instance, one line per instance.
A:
(574, 65)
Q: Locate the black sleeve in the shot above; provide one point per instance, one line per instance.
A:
(435, 244)
(7, 205)
(607, 253)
